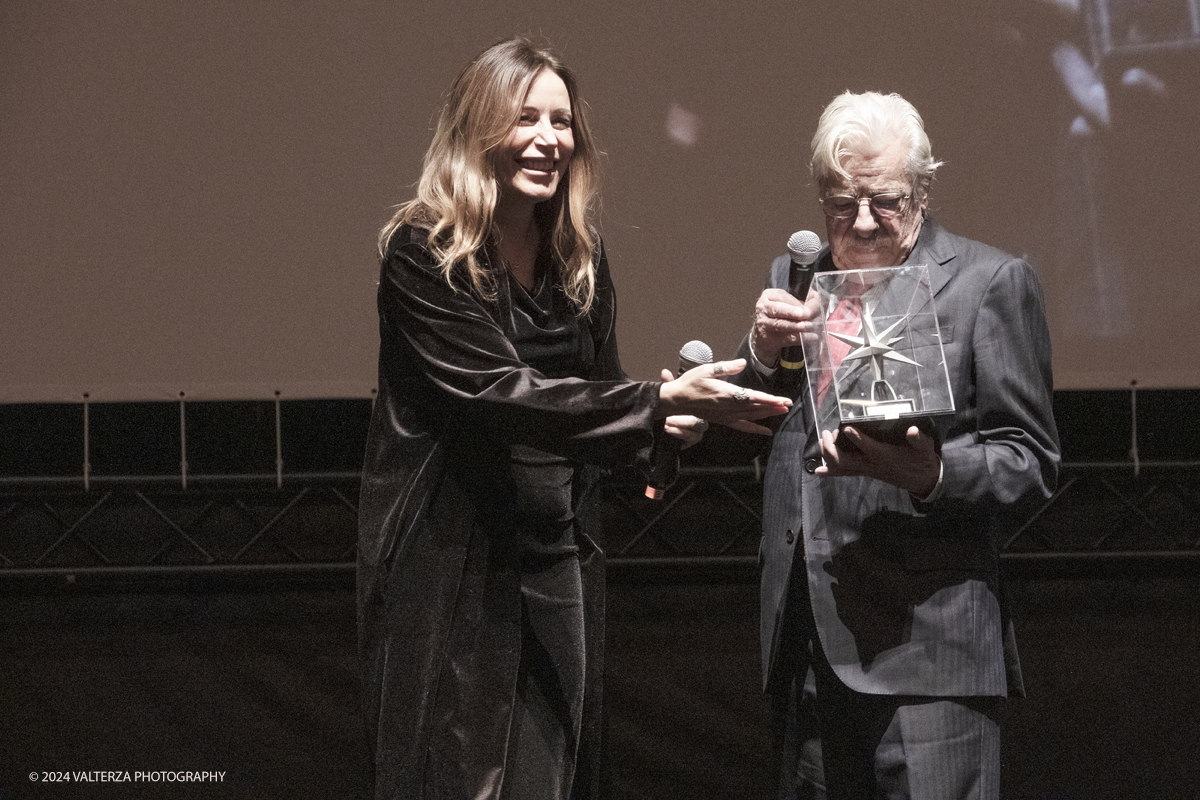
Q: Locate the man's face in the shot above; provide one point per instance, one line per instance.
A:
(867, 238)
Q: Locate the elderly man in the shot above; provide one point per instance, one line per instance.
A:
(880, 561)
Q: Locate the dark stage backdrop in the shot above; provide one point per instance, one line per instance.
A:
(263, 687)
(191, 189)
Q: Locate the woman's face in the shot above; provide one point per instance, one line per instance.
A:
(538, 150)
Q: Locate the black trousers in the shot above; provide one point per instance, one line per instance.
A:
(548, 712)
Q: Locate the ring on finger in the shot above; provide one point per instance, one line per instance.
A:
(741, 394)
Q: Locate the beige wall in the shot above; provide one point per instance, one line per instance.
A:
(191, 189)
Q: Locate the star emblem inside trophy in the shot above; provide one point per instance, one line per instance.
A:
(877, 361)
(877, 346)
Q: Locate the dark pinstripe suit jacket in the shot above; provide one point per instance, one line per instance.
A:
(908, 599)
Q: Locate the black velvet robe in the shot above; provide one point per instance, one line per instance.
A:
(439, 603)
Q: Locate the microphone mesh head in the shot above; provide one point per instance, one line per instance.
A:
(697, 352)
(804, 246)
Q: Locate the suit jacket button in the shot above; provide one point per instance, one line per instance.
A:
(791, 537)
(810, 465)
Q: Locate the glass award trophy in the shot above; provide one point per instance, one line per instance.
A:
(875, 359)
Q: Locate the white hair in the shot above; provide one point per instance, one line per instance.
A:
(868, 122)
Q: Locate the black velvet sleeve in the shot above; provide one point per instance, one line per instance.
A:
(444, 353)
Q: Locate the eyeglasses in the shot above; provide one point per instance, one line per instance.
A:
(842, 206)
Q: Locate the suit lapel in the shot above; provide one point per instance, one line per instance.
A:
(934, 250)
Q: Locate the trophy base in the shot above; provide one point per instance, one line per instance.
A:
(889, 431)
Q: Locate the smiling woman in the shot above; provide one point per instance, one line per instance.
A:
(529, 167)
(485, 182)
(539, 148)
(480, 588)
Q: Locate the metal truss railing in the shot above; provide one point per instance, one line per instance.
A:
(218, 525)
(306, 525)
(711, 512)
(1118, 513)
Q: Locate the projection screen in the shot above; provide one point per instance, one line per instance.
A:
(192, 189)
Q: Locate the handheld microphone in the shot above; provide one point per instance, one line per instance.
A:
(693, 354)
(665, 467)
(804, 246)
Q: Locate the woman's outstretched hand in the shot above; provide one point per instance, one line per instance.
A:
(688, 429)
(700, 392)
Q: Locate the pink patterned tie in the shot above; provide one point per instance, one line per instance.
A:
(844, 319)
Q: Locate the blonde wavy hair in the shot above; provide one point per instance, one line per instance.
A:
(457, 194)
